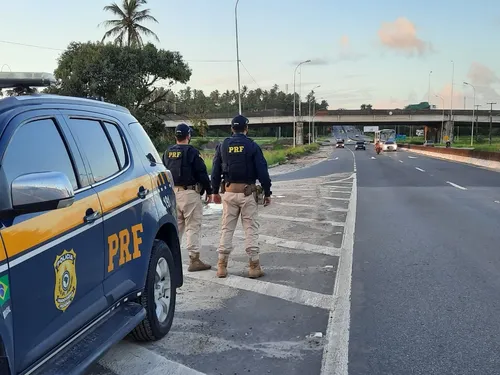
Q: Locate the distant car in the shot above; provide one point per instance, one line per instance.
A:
(390, 146)
(340, 143)
(360, 145)
(428, 144)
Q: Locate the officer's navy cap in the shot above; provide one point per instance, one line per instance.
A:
(239, 122)
(182, 130)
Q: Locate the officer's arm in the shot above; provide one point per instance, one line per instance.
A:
(216, 170)
(262, 171)
(201, 173)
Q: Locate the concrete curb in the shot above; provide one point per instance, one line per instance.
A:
(488, 164)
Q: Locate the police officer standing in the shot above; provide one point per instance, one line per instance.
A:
(191, 180)
(237, 164)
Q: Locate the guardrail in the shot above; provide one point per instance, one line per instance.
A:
(476, 154)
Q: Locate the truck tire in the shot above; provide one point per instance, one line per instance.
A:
(159, 291)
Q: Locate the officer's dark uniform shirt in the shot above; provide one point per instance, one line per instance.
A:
(187, 167)
(240, 160)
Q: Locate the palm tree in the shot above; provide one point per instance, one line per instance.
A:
(127, 27)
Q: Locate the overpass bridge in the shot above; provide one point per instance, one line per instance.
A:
(430, 117)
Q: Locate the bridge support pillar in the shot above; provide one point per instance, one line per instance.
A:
(299, 133)
(448, 129)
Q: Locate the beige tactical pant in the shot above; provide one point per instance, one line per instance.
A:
(189, 217)
(234, 205)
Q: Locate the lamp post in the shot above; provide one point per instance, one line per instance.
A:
(237, 55)
(310, 117)
(429, 89)
(442, 119)
(451, 98)
(473, 108)
(294, 99)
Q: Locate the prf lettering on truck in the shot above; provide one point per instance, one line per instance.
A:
(236, 149)
(119, 246)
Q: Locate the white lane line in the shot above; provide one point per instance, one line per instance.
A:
(412, 157)
(497, 201)
(314, 206)
(336, 351)
(341, 180)
(127, 358)
(419, 169)
(302, 220)
(455, 185)
(287, 293)
(401, 161)
(330, 198)
(297, 245)
(373, 157)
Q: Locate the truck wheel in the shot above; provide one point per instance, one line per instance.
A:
(159, 295)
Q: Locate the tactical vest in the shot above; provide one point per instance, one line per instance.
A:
(237, 166)
(179, 165)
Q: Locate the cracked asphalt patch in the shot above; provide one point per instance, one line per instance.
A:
(273, 325)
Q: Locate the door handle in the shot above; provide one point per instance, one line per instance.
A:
(143, 192)
(91, 216)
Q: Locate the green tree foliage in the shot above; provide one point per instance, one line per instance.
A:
(195, 102)
(136, 78)
(127, 28)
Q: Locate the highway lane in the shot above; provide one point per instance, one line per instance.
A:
(426, 268)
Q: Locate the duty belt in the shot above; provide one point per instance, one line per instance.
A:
(189, 187)
(246, 189)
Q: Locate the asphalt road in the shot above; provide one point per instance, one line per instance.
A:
(426, 268)
(395, 266)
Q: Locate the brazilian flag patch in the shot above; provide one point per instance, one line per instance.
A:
(4, 289)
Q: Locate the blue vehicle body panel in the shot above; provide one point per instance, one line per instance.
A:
(108, 258)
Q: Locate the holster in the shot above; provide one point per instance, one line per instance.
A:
(223, 187)
(198, 188)
(249, 189)
(259, 194)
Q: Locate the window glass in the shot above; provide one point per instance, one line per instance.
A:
(37, 146)
(144, 141)
(117, 140)
(96, 146)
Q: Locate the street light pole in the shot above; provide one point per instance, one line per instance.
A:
(473, 108)
(477, 122)
(491, 117)
(294, 99)
(429, 89)
(442, 118)
(451, 99)
(237, 55)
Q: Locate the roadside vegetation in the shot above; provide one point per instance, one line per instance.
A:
(480, 144)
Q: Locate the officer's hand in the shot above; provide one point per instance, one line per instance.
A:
(216, 199)
(267, 201)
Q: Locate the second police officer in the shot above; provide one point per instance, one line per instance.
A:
(237, 164)
(191, 180)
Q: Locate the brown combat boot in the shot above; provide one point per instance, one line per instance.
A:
(195, 264)
(255, 271)
(222, 268)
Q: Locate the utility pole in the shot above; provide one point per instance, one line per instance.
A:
(477, 122)
(491, 117)
(237, 55)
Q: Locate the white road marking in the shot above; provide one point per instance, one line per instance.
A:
(419, 169)
(281, 242)
(287, 293)
(302, 219)
(127, 358)
(314, 206)
(455, 185)
(497, 201)
(330, 198)
(336, 351)
(341, 180)
(412, 157)
(373, 157)
(401, 161)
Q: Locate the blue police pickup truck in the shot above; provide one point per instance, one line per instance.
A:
(89, 248)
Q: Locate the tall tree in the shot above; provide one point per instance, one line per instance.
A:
(127, 28)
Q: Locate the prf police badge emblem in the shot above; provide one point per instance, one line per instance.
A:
(65, 285)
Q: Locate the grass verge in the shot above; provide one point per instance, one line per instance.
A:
(273, 156)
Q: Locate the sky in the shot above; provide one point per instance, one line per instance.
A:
(361, 51)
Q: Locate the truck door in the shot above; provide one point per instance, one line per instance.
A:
(55, 257)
